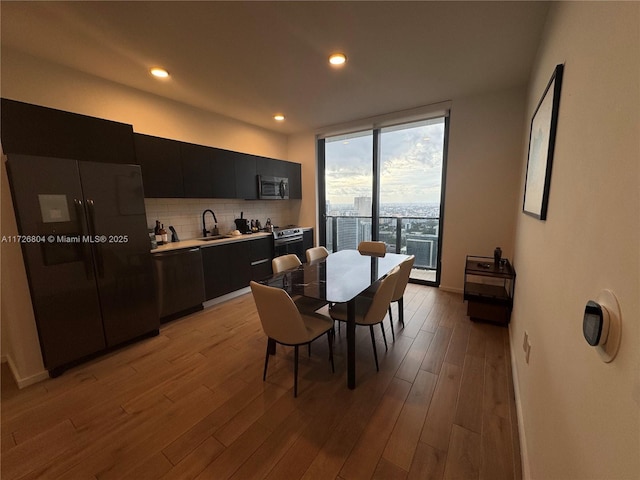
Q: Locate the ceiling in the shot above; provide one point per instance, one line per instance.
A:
(249, 60)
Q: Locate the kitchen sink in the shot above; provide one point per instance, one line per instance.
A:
(213, 237)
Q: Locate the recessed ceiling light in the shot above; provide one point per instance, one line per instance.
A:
(337, 59)
(279, 117)
(159, 72)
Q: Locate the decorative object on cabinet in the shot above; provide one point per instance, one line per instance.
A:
(488, 289)
(542, 138)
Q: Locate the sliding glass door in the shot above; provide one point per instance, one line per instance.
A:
(386, 184)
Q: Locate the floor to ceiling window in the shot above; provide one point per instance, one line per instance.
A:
(386, 184)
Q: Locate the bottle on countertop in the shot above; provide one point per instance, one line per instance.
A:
(157, 233)
(163, 235)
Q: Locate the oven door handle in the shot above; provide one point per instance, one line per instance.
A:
(286, 241)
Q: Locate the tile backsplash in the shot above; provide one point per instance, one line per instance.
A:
(185, 214)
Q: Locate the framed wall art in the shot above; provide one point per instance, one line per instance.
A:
(542, 138)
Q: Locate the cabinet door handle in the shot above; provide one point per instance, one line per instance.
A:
(258, 262)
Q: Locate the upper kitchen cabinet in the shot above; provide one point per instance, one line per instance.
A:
(223, 170)
(207, 172)
(279, 168)
(159, 159)
(295, 180)
(41, 131)
(271, 167)
(246, 180)
(197, 172)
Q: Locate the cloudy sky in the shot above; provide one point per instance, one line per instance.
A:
(411, 167)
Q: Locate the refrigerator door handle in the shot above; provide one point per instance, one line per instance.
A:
(94, 237)
(86, 253)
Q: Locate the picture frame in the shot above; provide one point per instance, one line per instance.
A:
(542, 139)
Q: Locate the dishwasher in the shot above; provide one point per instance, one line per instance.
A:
(180, 280)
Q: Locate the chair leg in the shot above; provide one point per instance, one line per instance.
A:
(401, 311)
(384, 337)
(266, 360)
(333, 368)
(373, 342)
(391, 320)
(295, 371)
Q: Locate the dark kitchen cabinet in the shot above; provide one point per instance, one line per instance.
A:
(40, 131)
(231, 266)
(260, 255)
(246, 181)
(226, 268)
(207, 172)
(223, 173)
(307, 239)
(295, 180)
(197, 170)
(272, 167)
(159, 159)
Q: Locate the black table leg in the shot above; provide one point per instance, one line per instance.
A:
(271, 346)
(351, 343)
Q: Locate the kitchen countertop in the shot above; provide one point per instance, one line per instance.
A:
(210, 243)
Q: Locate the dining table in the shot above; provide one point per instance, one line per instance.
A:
(338, 278)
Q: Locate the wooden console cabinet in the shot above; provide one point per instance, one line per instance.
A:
(488, 289)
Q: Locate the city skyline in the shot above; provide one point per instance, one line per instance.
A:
(410, 164)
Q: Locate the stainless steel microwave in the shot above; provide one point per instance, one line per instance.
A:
(273, 188)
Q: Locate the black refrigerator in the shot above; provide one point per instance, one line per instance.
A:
(86, 247)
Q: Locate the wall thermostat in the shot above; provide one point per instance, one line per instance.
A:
(595, 324)
(601, 324)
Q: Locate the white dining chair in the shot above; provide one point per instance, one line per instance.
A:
(316, 253)
(285, 262)
(374, 249)
(398, 293)
(370, 311)
(289, 262)
(283, 323)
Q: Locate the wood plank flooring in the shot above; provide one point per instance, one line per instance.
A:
(191, 404)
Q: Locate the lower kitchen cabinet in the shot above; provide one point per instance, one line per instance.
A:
(261, 254)
(226, 268)
(307, 239)
(231, 266)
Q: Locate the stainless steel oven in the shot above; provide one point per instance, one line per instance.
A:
(288, 240)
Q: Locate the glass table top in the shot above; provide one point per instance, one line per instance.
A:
(338, 278)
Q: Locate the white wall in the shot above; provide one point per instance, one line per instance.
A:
(27, 79)
(19, 335)
(302, 149)
(580, 415)
(483, 180)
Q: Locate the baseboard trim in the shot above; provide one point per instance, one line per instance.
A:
(228, 296)
(524, 456)
(26, 381)
(451, 289)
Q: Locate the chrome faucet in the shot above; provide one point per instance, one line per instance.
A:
(204, 227)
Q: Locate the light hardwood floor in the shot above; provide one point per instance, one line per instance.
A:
(191, 403)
